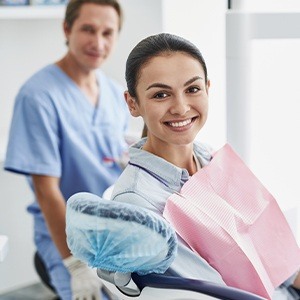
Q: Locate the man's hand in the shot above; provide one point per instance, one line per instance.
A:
(85, 284)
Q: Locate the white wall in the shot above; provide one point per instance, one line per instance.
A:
(266, 79)
(275, 109)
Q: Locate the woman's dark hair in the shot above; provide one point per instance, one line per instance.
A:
(73, 9)
(153, 46)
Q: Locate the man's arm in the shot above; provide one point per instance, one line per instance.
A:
(53, 206)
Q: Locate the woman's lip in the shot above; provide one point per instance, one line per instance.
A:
(180, 123)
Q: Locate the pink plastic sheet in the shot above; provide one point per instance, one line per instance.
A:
(226, 215)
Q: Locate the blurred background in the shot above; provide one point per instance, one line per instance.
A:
(252, 51)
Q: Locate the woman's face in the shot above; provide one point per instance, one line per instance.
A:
(172, 99)
(93, 35)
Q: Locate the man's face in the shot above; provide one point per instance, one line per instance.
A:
(93, 35)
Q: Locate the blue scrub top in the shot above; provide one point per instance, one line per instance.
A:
(56, 131)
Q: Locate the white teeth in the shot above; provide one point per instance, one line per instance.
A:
(180, 124)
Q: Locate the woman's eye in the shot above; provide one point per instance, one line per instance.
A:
(193, 89)
(160, 95)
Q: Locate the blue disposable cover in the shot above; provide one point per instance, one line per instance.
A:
(118, 236)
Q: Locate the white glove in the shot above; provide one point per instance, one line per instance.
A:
(85, 284)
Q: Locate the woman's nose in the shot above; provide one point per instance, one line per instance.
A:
(180, 106)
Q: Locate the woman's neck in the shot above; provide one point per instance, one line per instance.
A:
(181, 156)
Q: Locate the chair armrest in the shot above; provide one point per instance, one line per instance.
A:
(204, 287)
(122, 281)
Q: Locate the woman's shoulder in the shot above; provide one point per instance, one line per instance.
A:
(134, 190)
(126, 188)
(128, 181)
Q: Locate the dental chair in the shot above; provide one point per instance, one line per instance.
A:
(126, 244)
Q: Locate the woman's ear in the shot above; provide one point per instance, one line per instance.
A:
(132, 105)
(207, 86)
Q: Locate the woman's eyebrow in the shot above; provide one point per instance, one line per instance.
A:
(165, 86)
(193, 79)
(158, 85)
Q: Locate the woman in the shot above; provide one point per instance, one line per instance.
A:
(168, 87)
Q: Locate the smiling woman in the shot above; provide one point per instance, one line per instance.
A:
(168, 87)
(174, 108)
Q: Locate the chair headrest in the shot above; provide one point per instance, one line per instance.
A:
(118, 236)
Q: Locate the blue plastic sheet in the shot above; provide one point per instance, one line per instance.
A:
(118, 236)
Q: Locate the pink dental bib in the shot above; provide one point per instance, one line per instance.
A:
(228, 217)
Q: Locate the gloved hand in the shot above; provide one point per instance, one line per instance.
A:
(85, 284)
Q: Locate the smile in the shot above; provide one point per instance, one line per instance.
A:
(180, 124)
